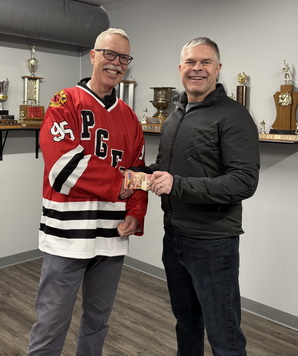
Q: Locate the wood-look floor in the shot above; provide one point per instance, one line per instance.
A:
(141, 323)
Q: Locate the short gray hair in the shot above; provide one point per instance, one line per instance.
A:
(201, 41)
(110, 31)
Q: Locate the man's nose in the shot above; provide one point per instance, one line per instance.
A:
(197, 66)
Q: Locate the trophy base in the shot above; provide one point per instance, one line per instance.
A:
(282, 132)
(241, 94)
(31, 112)
(4, 112)
(6, 117)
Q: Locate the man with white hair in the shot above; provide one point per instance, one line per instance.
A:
(88, 138)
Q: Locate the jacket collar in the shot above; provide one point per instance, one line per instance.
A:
(181, 98)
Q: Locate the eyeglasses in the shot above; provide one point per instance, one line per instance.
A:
(111, 55)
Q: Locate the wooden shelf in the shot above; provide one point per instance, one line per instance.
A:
(278, 138)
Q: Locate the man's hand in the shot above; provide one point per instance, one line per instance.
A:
(124, 193)
(161, 182)
(128, 227)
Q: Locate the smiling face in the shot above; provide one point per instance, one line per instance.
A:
(106, 73)
(199, 69)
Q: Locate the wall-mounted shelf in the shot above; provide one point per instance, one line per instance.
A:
(8, 128)
(278, 138)
(262, 137)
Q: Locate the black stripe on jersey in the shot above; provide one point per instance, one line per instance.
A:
(67, 170)
(84, 215)
(78, 233)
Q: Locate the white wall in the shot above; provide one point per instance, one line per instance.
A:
(255, 37)
(20, 171)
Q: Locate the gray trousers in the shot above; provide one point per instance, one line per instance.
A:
(59, 283)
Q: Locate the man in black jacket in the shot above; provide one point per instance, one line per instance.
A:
(208, 162)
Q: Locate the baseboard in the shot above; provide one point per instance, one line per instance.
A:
(145, 267)
(19, 258)
(251, 306)
(275, 315)
(278, 316)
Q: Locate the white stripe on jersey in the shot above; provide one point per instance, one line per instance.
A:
(84, 205)
(75, 174)
(78, 248)
(80, 224)
(82, 247)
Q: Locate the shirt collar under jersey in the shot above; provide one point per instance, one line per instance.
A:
(108, 100)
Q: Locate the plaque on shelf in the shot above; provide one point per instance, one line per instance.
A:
(155, 128)
(7, 121)
(31, 112)
(154, 120)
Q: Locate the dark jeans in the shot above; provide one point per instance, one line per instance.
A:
(202, 278)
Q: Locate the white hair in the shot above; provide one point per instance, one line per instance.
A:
(110, 31)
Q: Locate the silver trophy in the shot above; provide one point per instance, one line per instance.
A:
(3, 95)
(31, 83)
(31, 110)
(32, 62)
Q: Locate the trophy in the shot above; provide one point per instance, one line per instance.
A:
(286, 104)
(263, 127)
(3, 95)
(126, 91)
(161, 99)
(144, 116)
(241, 93)
(31, 110)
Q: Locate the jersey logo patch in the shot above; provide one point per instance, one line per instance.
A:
(58, 99)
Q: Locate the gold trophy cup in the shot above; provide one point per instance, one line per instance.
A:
(161, 100)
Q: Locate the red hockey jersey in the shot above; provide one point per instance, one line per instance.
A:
(85, 141)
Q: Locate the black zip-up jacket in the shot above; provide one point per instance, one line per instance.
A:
(212, 151)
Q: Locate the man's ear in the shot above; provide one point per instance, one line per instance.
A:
(92, 56)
